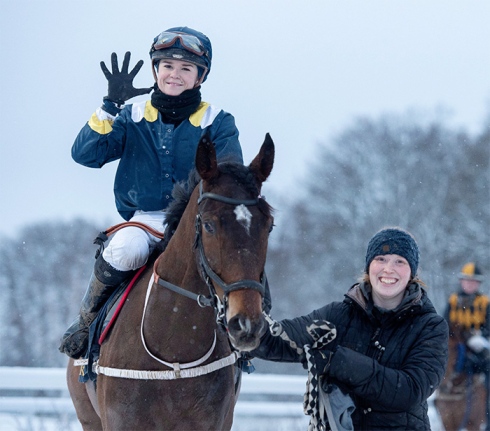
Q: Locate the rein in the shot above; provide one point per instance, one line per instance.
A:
(202, 301)
(316, 402)
(175, 365)
(194, 368)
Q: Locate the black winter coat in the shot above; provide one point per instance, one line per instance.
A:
(389, 362)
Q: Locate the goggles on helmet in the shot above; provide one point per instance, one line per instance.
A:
(189, 42)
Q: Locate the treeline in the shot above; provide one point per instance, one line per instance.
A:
(422, 176)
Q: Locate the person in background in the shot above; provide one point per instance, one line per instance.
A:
(390, 350)
(155, 142)
(468, 315)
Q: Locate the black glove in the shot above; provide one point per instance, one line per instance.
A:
(121, 82)
(321, 359)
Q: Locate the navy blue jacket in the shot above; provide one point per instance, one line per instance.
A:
(389, 362)
(152, 155)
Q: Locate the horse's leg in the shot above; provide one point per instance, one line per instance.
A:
(478, 415)
(450, 412)
(86, 413)
(228, 422)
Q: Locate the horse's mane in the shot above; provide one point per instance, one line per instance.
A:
(182, 192)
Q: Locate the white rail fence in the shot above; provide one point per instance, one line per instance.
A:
(43, 391)
(34, 392)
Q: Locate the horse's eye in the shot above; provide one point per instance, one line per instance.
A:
(271, 227)
(208, 227)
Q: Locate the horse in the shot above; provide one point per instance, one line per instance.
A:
(460, 399)
(168, 363)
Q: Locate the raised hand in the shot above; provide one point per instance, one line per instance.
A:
(120, 83)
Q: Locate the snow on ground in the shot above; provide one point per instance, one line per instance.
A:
(241, 423)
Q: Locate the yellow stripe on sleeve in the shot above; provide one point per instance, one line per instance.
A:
(102, 127)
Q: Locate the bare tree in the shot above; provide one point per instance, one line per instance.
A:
(395, 171)
(44, 270)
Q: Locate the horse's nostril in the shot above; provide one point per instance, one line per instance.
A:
(240, 324)
(245, 324)
(234, 324)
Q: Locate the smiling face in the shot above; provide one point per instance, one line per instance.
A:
(176, 76)
(389, 275)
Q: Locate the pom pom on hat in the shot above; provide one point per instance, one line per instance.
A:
(393, 241)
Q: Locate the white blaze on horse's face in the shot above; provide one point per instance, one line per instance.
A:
(243, 216)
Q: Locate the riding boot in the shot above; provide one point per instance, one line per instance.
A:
(104, 280)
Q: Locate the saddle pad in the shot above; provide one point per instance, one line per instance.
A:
(115, 305)
(102, 324)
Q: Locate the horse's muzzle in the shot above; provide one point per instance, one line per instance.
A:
(245, 333)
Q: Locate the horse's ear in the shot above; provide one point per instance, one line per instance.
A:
(206, 163)
(262, 165)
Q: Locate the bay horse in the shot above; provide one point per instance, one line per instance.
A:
(460, 399)
(168, 363)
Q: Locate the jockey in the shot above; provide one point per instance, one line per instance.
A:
(468, 316)
(155, 142)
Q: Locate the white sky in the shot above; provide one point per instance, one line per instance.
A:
(301, 70)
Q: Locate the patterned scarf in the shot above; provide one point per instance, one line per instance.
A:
(316, 402)
(175, 109)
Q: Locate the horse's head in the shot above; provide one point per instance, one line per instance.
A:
(232, 229)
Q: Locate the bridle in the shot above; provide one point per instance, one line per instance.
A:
(206, 272)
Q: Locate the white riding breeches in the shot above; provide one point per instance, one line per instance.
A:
(130, 247)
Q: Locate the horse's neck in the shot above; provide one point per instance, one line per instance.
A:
(176, 328)
(177, 265)
(173, 321)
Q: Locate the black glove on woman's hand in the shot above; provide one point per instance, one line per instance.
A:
(321, 359)
(121, 82)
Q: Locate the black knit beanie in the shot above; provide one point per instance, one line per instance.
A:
(393, 241)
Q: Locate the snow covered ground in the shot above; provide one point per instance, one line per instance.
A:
(11, 423)
(242, 423)
(267, 402)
